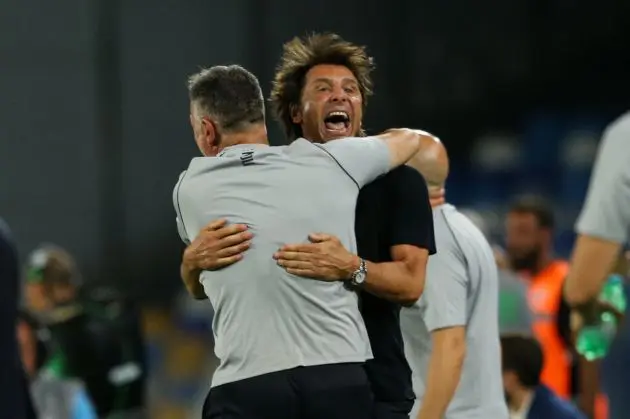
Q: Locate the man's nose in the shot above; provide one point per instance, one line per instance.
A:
(338, 95)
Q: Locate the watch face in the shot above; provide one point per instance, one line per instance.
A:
(359, 278)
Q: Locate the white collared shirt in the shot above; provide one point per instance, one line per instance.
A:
(524, 410)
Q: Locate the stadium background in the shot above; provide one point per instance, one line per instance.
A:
(94, 120)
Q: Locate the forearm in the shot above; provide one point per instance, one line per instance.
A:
(589, 386)
(591, 262)
(445, 366)
(393, 281)
(190, 276)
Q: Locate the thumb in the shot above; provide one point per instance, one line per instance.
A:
(215, 225)
(319, 237)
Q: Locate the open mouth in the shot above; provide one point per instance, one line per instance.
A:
(337, 121)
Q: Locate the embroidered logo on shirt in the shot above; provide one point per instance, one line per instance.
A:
(247, 158)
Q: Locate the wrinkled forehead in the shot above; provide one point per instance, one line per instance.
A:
(330, 73)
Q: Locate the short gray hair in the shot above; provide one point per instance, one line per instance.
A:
(230, 95)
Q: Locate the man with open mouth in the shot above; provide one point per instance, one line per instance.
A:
(320, 92)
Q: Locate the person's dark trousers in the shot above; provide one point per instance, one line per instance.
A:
(14, 395)
(335, 391)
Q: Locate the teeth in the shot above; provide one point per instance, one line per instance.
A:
(339, 113)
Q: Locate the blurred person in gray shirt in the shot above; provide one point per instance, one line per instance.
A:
(604, 224)
(288, 346)
(451, 334)
(603, 228)
(515, 316)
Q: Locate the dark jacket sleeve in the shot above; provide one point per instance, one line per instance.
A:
(14, 396)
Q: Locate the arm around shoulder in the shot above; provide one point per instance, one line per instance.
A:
(402, 143)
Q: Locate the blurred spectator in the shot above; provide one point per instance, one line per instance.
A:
(15, 401)
(529, 244)
(530, 227)
(526, 395)
(514, 313)
(54, 397)
(95, 338)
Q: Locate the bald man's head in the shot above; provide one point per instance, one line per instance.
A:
(432, 162)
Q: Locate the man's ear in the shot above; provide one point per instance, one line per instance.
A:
(296, 114)
(210, 137)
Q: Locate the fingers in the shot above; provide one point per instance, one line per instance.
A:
(234, 239)
(233, 250)
(288, 255)
(320, 237)
(294, 264)
(301, 248)
(214, 225)
(303, 272)
(605, 306)
(230, 230)
(226, 261)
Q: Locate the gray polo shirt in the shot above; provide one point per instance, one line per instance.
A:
(606, 215)
(461, 290)
(265, 319)
(606, 211)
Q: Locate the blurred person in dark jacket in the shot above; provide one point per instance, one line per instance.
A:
(526, 396)
(15, 400)
(95, 339)
(54, 397)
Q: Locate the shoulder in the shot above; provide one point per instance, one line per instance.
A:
(301, 148)
(566, 410)
(297, 144)
(562, 409)
(446, 240)
(614, 143)
(178, 186)
(405, 186)
(180, 178)
(458, 227)
(406, 174)
(618, 130)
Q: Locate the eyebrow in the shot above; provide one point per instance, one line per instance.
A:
(329, 81)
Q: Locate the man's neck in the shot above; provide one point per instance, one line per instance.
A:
(520, 399)
(254, 135)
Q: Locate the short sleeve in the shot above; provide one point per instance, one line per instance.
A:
(606, 210)
(443, 303)
(181, 229)
(363, 159)
(410, 214)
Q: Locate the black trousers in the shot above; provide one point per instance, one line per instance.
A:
(336, 391)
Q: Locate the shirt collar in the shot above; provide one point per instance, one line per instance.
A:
(524, 410)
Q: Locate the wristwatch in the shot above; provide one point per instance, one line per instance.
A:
(358, 277)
